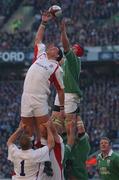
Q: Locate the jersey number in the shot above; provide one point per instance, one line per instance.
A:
(22, 169)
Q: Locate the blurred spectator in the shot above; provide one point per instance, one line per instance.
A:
(17, 24)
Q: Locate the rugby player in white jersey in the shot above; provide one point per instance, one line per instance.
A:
(53, 169)
(26, 160)
(44, 71)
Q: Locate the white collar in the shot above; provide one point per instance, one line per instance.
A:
(110, 152)
(108, 155)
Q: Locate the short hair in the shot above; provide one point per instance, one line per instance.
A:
(25, 142)
(60, 53)
(107, 139)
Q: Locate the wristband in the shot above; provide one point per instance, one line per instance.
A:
(80, 124)
(43, 23)
(61, 108)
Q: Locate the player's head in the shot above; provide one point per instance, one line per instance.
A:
(105, 144)
(52, 51)
(78, 50)
(25, 142)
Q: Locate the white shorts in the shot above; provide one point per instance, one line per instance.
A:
(34, 106)
(71, 102)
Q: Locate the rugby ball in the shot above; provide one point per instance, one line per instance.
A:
(55, 10)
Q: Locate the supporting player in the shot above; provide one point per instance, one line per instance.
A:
(25, 159)
(75, 165)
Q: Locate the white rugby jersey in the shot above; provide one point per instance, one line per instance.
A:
(38, 50)
(41, 73)
(26, 162)
(56, 158)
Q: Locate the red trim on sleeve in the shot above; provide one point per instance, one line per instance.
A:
(13, 173)
(58, 155)
(35, 53)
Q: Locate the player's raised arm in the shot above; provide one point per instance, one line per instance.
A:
(46, 16)
(70, 133)
(64, 37)
(15, 135)
(50, 137)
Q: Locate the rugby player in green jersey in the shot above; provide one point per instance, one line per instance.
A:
(75, 166)
(77, 149)
(71, 68)
(107, 161)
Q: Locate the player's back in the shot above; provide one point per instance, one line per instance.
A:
(26, 162)
(24, 165)
(56, 158)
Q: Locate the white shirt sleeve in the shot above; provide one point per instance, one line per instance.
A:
(41, 49)
(41, 154)
(11, 149)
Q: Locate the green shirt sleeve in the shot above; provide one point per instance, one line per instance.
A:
(67, 152)
(116, 160)
(73, 61)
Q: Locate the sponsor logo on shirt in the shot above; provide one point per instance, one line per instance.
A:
(43, 66)
(51, 66)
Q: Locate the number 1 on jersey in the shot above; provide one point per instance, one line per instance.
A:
(22, 169)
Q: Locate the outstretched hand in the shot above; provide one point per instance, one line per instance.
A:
(46, 16)
(22, 126)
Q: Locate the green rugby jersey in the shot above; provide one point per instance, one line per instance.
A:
(108, 167)
(72, 68)
(78, 156)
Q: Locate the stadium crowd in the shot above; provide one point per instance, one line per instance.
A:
(16, 41)
(7, 8)
(10, 96)
(88, 22)
(99, 109)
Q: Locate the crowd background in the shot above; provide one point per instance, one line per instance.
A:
(90, 22)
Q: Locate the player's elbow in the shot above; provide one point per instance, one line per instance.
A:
(8, 143)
